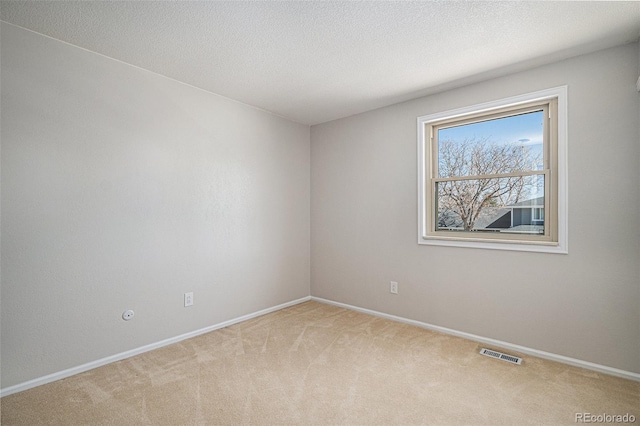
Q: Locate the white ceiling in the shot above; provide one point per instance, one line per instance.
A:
(317, 61)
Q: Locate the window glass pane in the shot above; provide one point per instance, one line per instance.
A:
(506, 205)
(503, 145)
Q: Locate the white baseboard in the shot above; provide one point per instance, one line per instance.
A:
(492, 342)
(117, 357)
(496, 343)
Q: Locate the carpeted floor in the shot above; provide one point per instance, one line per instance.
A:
(319, 364)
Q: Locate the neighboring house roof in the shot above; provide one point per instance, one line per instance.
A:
(488, 216)
(527, 229)
(496, 218)
(499, 217)
(534, 202)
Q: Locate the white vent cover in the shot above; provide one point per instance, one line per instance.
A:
(499, 355)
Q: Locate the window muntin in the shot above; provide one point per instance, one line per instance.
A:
(546, 176)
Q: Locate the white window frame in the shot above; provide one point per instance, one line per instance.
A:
(559, 244)
(537, 214)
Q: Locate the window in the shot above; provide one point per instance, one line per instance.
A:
(494, 175)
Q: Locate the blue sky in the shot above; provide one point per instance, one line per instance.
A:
(525, 129)
(520, 130)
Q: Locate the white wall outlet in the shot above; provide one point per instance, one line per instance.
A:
(127, 315)
(393, 287)
(188, 299)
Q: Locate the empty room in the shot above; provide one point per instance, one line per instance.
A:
(319, 212)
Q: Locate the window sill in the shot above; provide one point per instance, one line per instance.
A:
(539, 247)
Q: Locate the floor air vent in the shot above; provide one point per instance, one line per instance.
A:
(499, 355)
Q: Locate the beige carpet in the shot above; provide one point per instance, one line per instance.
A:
(319, 364)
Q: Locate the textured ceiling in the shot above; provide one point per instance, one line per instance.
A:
(317, 61)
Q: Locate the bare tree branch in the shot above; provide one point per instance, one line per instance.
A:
(460, 202)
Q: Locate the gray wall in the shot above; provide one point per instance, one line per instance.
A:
(584, 305)
(122, 189)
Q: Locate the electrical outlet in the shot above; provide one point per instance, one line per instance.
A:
(393, 287)
(188, 299)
